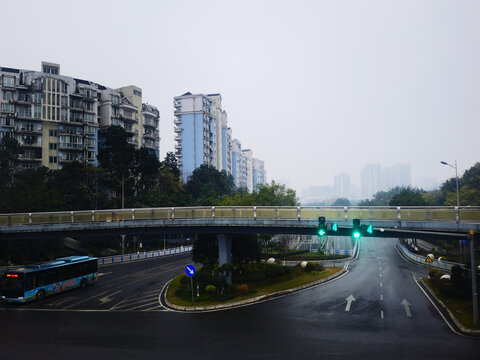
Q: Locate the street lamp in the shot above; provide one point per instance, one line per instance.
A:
(458, 200)
(456, 177)
(123, 189)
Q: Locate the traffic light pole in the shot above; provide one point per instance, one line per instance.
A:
(474, 279)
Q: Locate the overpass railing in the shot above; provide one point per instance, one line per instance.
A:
(455, 214)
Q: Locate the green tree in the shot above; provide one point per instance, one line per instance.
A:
(9, 149)
(341, 202)
(207, 185)
(381, 198)
(245, 248)
(275, 194)
(117, 157)
(408, 197)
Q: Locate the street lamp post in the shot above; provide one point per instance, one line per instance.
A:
(458, 200)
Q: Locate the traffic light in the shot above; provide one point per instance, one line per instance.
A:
(370, 229)
(356, 233)
(322, 230)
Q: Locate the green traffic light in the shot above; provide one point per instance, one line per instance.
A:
(356, 234)
(322, 232)
(370, 229)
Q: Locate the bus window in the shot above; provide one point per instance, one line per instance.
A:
(13, 285)
(29, 282)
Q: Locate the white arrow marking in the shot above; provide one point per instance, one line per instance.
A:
(407, 307)
(349, 302)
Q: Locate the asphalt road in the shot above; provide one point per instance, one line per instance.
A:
(312, 324)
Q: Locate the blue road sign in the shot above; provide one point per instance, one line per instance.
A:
(190, 270)
(465, 242)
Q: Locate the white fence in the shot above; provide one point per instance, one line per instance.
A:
(117, 259)
(420, 259)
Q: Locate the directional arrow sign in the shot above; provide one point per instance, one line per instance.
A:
(407, 307)
(190, 270)
(349, 302)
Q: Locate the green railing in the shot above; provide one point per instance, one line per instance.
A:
(470, 214)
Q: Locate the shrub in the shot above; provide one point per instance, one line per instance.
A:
(310, 267)
(242, 289)
(184, 280)
(210, 289)
(433, 273)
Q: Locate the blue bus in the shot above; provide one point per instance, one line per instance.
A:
(32, 282)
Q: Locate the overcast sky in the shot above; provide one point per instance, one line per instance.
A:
(314, 88)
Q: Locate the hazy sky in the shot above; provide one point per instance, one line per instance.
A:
(314, 88)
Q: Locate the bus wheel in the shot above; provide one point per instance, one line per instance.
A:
(83, 283)
(40, 295)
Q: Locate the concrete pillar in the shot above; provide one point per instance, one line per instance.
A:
(225, 252)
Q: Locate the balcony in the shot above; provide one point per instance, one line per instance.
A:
(177, 129)
(178, 147)
(70, 146)
(178, 154)
(133, 141)
(177, 138)
(177, 104)
(30, 143)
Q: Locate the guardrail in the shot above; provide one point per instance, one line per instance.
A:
(453, 214)
(420, 259)
(117, 259)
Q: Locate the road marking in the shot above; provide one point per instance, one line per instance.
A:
(107, 298)
(381, 314)
(380, 268)
(380, 275)
(406, 304)
(101, 274)
(349, 302)
(381, 285)
(381, 297)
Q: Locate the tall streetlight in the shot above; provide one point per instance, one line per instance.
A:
(456, 177)
(458, 200)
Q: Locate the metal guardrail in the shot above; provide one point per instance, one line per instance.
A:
(420, 259)
(117, 259)
(440, 214)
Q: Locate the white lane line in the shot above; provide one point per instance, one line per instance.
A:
(108, 297)
(133, 302)
(380, 275)
(381, 297)
(140, 306)
(380, 268)
(381, 314)
(381, 285)
(102, 274)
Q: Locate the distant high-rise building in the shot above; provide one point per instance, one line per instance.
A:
(343, 187)
(259, 176)
(375, 178)
(56, 119)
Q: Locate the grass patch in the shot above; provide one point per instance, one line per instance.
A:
(462, 309)
(256, 289)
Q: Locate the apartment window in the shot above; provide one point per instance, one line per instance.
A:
(8, 108)
(88, 93)
(50, 69)
(138, 93)
(64, 101)
(25, 111)
(53, 133)
(37, 111)
(25, 97)
(128, 114)
(63, 87)
(114, 112)
(8, 95)
(52, 146)
(64, 115)
(88, 106)
(115, 99)
(37, 98)
(89, 117)
(8, 81)
(116, 122)
(53, 159)
(90, 130)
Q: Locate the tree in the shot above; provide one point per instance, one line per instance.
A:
(408, 197)
(9, 149)
(245, 249)
(275, 194)
(381, 198)
(171, 163)
(207, 185)
(205, 250)
(117, 157)
(341, 202)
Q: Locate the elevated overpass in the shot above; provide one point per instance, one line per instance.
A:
(440, 222)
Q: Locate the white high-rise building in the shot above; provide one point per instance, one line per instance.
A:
(376, 178)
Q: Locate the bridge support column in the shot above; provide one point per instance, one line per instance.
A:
(225, 252)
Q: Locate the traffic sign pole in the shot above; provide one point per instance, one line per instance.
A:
(191, 286)
(190, 271)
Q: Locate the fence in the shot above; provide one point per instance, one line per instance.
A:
(420, 259)
(117, 259)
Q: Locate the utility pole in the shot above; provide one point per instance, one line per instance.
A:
(474, 278)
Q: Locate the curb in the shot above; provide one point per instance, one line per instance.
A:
(452, 318)
(248, 301)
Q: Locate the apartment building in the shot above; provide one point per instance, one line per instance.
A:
(202, 136)
(56, 119)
